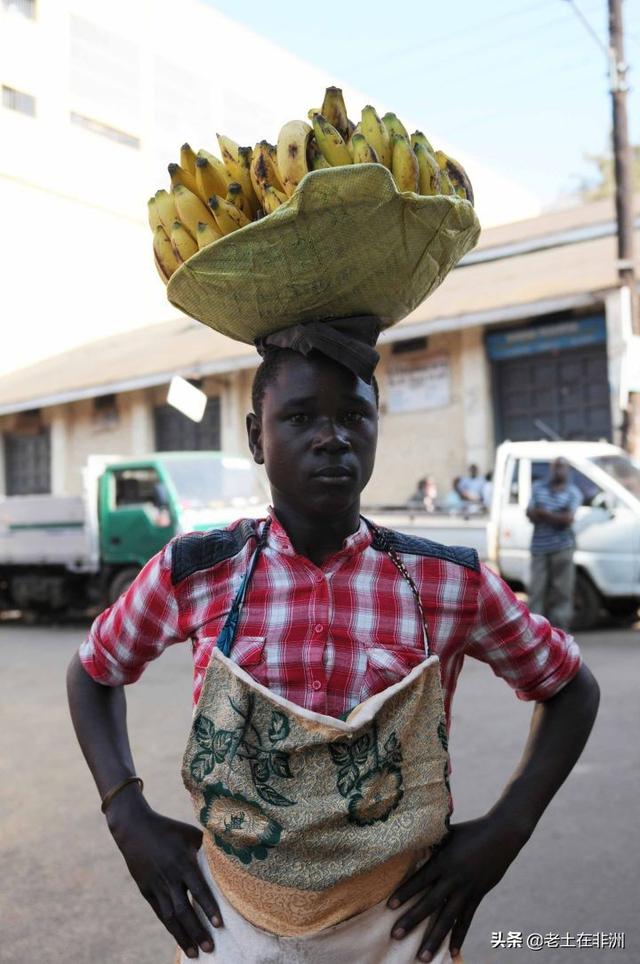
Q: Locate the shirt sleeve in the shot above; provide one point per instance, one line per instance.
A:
(136, 629)
(535, 658)
(576, 499)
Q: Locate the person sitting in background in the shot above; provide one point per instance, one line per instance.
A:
(487, 490)
(471, 486)
(425, 495)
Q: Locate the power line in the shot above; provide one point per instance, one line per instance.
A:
(447, 38)
(500, 42)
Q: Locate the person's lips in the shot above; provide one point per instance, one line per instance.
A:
(333, 472)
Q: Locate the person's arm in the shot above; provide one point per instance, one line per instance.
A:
(561, 520)
(161, 853)
(475, 855)
(542, 664)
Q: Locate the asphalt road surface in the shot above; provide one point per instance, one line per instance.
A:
(65, 894)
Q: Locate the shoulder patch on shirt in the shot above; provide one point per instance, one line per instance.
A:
(202, 550)
(384, 539)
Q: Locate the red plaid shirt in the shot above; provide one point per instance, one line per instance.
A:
(327, 637)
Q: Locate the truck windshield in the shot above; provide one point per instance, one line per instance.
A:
(214, 482)
(623, 471)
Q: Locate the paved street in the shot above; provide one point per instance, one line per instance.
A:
(65, 894)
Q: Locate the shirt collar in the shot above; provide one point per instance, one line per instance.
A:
(278, 539)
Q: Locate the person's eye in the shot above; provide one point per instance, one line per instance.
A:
(298, 418)
(354, 416)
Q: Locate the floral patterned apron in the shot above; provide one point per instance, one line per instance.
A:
(311, 820)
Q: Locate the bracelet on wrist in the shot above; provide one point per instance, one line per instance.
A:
(110, 794)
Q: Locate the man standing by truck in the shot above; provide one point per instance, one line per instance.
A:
(552, 509)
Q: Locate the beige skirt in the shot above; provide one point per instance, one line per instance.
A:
(363, 939)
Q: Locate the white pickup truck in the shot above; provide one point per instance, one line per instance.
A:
(607, 525)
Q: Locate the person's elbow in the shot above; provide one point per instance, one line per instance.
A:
(583, 693)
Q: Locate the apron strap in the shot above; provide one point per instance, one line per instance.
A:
(228, 631)
(406, 575)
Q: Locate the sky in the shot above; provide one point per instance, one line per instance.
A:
(520, 85)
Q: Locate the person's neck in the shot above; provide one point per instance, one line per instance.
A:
(317, 539)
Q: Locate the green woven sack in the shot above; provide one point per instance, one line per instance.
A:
(347, 243)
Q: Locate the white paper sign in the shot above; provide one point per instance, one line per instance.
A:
(417, 381)
(187, 398)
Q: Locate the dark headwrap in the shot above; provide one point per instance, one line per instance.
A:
(348, 341)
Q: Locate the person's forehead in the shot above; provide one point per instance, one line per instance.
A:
(302, 376)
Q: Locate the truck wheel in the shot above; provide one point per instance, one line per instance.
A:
(586, 603)
(121, 582)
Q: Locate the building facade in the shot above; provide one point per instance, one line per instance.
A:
(527, 338)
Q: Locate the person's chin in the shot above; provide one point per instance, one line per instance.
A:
(332, 493)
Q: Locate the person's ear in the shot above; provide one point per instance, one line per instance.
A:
(254, 436)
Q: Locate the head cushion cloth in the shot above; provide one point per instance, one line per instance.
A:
(348, 341)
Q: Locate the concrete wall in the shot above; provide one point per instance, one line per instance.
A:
(440, 441)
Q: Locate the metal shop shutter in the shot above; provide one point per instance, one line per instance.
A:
(174, 432)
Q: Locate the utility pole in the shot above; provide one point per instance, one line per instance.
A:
(624, 212)
(622, 156)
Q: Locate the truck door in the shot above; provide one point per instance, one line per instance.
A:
(134, 523)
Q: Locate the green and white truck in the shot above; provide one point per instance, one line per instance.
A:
(72, 552)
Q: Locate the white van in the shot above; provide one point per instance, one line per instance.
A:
(607, 525)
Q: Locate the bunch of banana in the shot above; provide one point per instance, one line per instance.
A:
(211, 197)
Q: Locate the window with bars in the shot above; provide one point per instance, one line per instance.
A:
(174, 432)
(27, 463)
(18, 100)
(105, 130)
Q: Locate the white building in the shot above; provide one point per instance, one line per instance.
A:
(96, 99)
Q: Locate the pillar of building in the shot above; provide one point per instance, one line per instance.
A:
(58, 435)
(141, 423)
(476, 399)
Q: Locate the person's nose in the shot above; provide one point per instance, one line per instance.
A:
(330, 437)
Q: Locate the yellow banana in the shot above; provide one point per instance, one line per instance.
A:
(190, 209)
(376, 134)
(394, 125)
(165, 259)
(334, 110)
(315, 158)
(429, 177)
(404, 164)
(419, 138)
(456, 174)
(227, 217)
(153, 213)
(292, 154)
(188, 159)
(228, 149)
(166, 208)
(312, 111)
(236, 197)
(363, 153)
(207, 234)
(273, 198)
(237, 161)
(330, 142)
(263, 171)
(208, 180)
(272, 151)
(218, 166)
(178, 175)
(182, 243)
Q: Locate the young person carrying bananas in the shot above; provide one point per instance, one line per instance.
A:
(326, 654)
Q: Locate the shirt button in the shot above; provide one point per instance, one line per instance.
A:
(316, 685)
(318, 628)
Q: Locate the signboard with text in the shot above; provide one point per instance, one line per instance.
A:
(416, 382)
